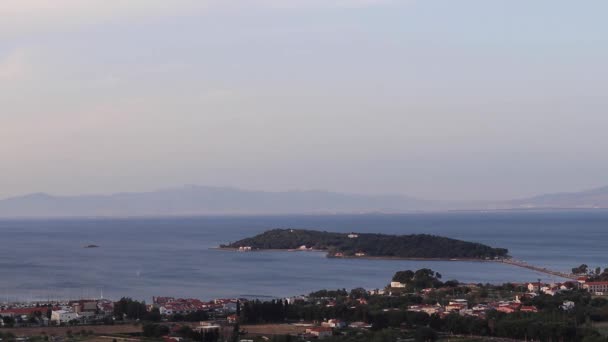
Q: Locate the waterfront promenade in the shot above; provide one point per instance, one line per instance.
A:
(545, 270)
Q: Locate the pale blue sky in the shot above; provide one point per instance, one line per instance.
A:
(436, 99)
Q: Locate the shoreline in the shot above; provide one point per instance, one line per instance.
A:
(229, 249)
(507, 261)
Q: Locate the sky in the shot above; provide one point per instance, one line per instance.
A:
(468, 99)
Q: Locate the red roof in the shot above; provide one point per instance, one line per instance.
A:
(597, 283)
(528, 309)
(26, 311)
(321, 329)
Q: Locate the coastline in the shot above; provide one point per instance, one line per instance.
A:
(507, 261)
(367, 257)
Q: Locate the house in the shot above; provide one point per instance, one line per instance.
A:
(376, 292)
(14, 312)
(162, 300)
(567, 305)
(353, 236)
(479, 308)
(597, 287)
(296, 299)
(334, 323)
(232, 319)
(320, 332)
(505, 309)
(360, 325)
(84, 306)
(457, 305)
(528, 308)
(458, 302)
(182, 306)
(548, 290)
(428, 309)
(360, 254)
(397, 285)
(105, 306)
(533, 287)
(229, 307)
(207, 327)
(506, 306)
(63, 316)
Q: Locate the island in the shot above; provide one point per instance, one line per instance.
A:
(358, 245)
(91, 246)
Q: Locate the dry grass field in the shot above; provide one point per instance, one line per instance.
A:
(62, 331)
(273, 329)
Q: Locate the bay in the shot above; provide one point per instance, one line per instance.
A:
(145, 257)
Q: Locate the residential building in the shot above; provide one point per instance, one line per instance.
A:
(567, 305)
(334, 323)
(63, 316)
(597, 287)
(320, 332)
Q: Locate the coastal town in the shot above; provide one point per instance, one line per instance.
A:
(415, 305)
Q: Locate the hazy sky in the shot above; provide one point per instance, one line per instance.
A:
(435, 99)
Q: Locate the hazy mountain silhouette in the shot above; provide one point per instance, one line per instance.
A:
(594, 198)
(196, 200)
(201, 200)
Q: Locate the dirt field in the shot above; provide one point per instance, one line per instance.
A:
(602, 327)
(273, 329)
(61, 331)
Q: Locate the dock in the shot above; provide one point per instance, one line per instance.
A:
(545, 270)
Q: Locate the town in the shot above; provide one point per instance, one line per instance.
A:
(415, 305)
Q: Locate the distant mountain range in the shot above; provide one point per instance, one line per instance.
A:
(202, 200)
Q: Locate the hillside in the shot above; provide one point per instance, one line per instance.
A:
(202, 200)
(371, 245)
(594, 198)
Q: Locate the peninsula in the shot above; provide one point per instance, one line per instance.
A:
(416, 246)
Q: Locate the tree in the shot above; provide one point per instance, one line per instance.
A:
(8, 321)
(403, 276)
(359, 293)
(154, 330)
(153, 315)
(582, 269)
(425, 334)
(129, 308)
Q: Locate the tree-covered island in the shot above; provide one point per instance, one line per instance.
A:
(413, 246)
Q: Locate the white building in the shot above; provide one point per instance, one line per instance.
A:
(533, 287)
(567, 305)
(334, 323)
(63, 316)
(597, 287)
(397, 285)
(320, 332)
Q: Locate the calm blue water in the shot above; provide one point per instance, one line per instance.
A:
(141, 258)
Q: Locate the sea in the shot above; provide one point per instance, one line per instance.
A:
(145, 257)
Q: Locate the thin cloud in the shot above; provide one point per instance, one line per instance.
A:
(31, 16)
(14, 66)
